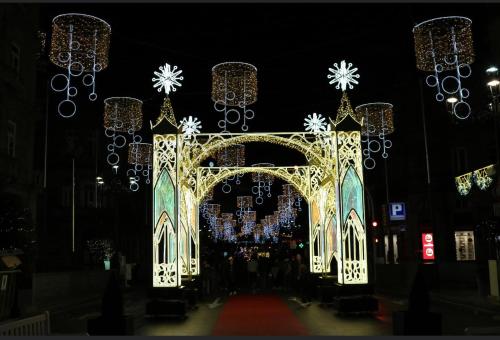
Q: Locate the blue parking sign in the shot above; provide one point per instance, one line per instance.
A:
(397, 211)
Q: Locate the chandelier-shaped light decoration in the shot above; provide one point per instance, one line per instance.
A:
(484, 177)
(217, 229)
(378, 122)
(248, 222)
(258, 233)
(231, 156)
(287, 211)
(289, 190)
(464, 183)
(270, 227)
(234, 87)
(80, 45)
(212, 212)
(204, 203)
(444, 47)
(140, 156)
(121, 115)
(244, 204)
(263, 183)
(228, 224)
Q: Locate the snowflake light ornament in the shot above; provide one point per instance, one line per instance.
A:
(190, 126)
(316, 123)
(343, 75)
(168, 79)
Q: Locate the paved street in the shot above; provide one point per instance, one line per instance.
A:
(316, 319)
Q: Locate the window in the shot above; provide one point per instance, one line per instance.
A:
(460, 161)
(11, 138)
(15, 57)
(464, 245)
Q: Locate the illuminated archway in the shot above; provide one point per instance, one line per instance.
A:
(331, 183)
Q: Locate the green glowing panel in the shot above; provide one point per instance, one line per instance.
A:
(352, 195)
(165, 197)
(172, 249)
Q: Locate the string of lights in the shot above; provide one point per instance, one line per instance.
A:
(80, 44)
(234, 86)
(377, 124)
(445, 44)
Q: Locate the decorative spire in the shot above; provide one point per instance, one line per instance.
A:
(167, 113)
(345, 109)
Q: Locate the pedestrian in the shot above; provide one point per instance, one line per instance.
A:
(274, 274)
(206, 275)
(253, 268)
(232, 276)
(303, 283)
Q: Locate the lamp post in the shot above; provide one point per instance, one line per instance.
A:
(493, 84)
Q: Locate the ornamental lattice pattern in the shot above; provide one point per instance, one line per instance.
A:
(329, 154)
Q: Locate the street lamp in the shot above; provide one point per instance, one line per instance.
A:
(99, 180)
(493, 84)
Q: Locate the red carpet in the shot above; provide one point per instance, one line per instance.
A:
(257, 315)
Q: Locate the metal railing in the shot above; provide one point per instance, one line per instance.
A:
(35, 325)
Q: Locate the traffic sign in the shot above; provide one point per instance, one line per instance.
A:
(397, 211)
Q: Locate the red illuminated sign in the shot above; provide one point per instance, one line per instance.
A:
(427, 246)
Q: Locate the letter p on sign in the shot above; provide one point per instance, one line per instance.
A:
(397, 211)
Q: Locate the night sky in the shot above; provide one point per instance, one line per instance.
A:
(292, 46)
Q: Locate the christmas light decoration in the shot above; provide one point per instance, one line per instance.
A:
(263, 183)
(484, 177)
(80, 45)
(445, 44)
(204, 205)
(258, 233)
(248, 222)
(464, 183)
(228, 224)
(331, 182)
(190, 127)
(377, 124)
(121, 114)
(315, 123)
(234, 87)
(167, 79)
(231, 156)
(343, 76)
(244, 204)
(140, 156)
(345, 110)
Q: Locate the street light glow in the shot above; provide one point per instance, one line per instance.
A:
(492, 69)
(452, 100)
(493, 83)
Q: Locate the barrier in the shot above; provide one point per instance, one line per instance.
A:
(35, 325)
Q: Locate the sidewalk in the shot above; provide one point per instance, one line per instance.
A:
(69, 316)
(467, 298)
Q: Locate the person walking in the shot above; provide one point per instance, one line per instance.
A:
(252, 268)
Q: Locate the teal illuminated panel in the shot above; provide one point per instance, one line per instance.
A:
(165, 197)
(352, 195)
